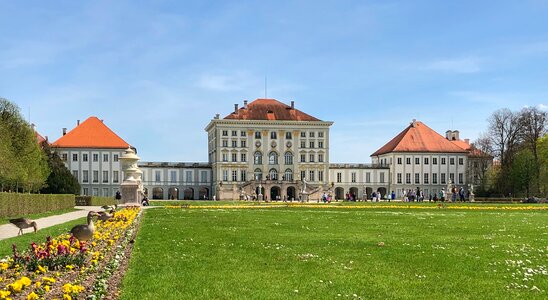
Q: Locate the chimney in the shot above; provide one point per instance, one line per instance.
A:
(467, 141)
(64, 131)
(47, 139)
(456, 135)
(33, 127)
(448, 134)
(292, 104)
(245, 103)
(413, 122)
(102, 121)
(77, 122)
(235, 108)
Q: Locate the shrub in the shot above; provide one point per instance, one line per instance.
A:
(20, 204)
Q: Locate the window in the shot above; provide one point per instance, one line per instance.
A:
(442, 178)
(320, 134)
(243, 157)
(452, 161)
(157, 176)
(225, 156)
(434, 178)
(461, 161)
(311, 157)
(408, 178)
(288, 158)
(425, 179)
(225, 143)
(234, 175)
(382, 177)
(303, 134)
(225, 175)
(461, 178)
(243, 144)
(234, 157)
(114, 157)
(320, 157)
(452, 177)
(311, 144)
(258, 174)
(257, 134)
(243, 176)
(188, 176)
(417, 160)
(105, 157)
(303, 175)
(311, 176)
(399, 160)
(320, 175)
(273, 174)
(273, 158)
(426, 160)
(105, 176)
(443, 160)
(399, 177)
(258, 158)
(75, 174)
(303, 157)
(115, 175)
(303, 144)
(320, 144)
(353, 177)
(288, 135)
(368, 177)
(95, 176)
(105, 192)
(243, 133)
(74, 157)
(234, 133)
(64, 157)
(85, 157)
(311, 134)
(288, 175)
(408, 160)
(225, 132)
(417, 178)
(86, 192)
(173, 176)
(234, 144)
(203, 176)
(273, 135)
(85, 176)
(95, 157)
(339, 177)
(434, 160)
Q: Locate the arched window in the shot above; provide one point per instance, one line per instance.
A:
(258, 174)
(288, 158)
(288, 175)
(258, 158)
(273, 158)
(273, 174)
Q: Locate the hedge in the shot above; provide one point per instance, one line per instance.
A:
(94, 201)
(21, 204)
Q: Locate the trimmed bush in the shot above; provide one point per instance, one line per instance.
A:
(20, 204)
(94, 201)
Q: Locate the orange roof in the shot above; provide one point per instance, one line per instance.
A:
(39, 137)
(462, 144)
(418, 137)
(92, 133)
(269, 109)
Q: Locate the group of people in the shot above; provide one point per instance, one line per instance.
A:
(418, 195)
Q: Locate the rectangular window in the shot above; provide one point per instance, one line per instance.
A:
(257, 134)
(243, 144)
(114, 157)
(339, 177)
(434, 160)
(288, 135)
(234, 144)
(105, 157)
(425, 179)
(461, 178)
(417, 178)
(243, 175)
(311, 134)
(86, 192)
(85, 157)
(157, 176)
(452, 161)
(234, 133)
(64, 156)
(95, 176)
(234, 157)
(203, 176)
(95, 192)
(353, 176)
(303, 158)
(303, 134)
(442, 178)
(105, 176)
(434, 178)
(225, 175)
(320, 175)
(189, 176)
(75, 174)
(311, 176)
(95, 157)
(461, 161)
(399, 177)
(399, 160)
(288, 158)
(173, 176)
(382, 177)
(408, 160)
(408, 178)
(303, 144)
(243, 157)
(320, 144)
(368, 177)
(225, 157)
(85, 176)
(225, 143)
(426, 160)
(303, 175)
(105, 192)
(417, 160)
(273, 135)
(452, 177)
(311, 157)
(234, 175)
(443, 160)
(243, 133)
(320, 134)
(74, 157)
(115, 176)
(225, 132)
(320, 157)
(311, 144)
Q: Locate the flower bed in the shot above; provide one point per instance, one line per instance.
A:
(64, 268)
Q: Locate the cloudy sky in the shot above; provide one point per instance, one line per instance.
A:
(158, 71)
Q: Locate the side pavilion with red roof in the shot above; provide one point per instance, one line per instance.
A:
(91, 151)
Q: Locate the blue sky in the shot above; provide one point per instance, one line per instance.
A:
(158, 71)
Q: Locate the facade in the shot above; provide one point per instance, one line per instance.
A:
(91, 151)
(359, 181)
(268, 149)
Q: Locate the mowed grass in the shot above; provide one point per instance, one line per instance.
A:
(304, 253)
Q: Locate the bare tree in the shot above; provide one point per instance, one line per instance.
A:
(481, 159)
(504, 132)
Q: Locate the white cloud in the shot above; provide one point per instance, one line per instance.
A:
(542, 107)
(458, 65)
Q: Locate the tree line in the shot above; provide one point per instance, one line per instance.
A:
(25, 164)
(518, 141)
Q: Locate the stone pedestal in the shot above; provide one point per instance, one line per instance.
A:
(130, 192)
(472, 197)
(131, 187)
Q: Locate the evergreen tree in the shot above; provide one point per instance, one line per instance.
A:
(60, 180)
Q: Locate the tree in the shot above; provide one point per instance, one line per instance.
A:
(542, 151)
(60, 180)
(522, 173)
(481, 159)
(533, 126)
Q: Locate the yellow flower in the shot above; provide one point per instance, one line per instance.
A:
(32, 296)
(38, 284)
(48, 280)
(4, 266)
(15, 287)
(4, 294)
(42, 269)
(47, 288)
(25, 281)
(67, 297)
(69, 267)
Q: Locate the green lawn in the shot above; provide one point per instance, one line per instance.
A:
(307, 253)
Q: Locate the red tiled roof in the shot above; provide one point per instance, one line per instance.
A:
(418, 137)
(39, 137)
(462, 144)
(269, 109)
(92, 133)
